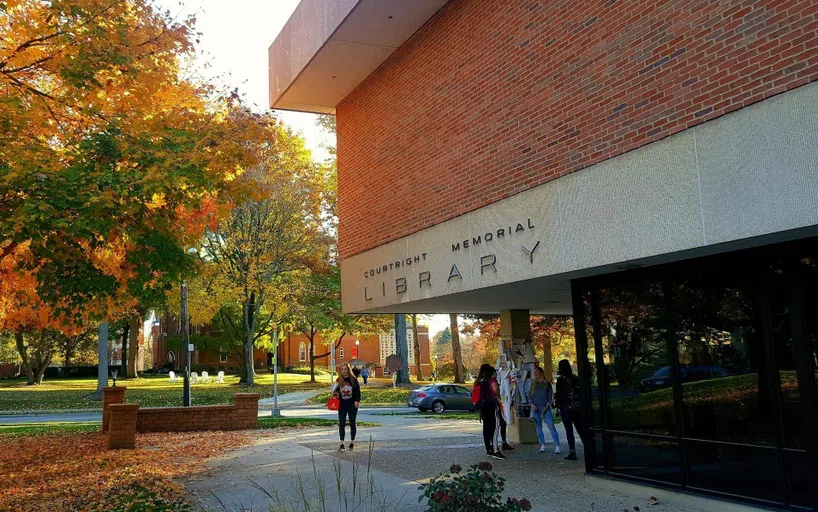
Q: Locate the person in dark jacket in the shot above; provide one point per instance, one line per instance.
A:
(489, 406)
(568, 405)
(346, 388)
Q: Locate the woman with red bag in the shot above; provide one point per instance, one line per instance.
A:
(347, 389)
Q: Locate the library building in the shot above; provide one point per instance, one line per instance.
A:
(649, 169)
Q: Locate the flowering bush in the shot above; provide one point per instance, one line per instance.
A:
(476, 490)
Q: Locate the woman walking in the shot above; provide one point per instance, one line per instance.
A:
(346, 388)
(568, 404)
(489, 405)
(542, 396)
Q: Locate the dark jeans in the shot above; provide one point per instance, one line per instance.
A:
(343, 412)
(365, 379)
(488, 415)
(503, 426)
(571, 420)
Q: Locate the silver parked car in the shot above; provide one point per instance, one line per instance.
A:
(441, 397)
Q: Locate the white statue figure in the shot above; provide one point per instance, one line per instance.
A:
(506, 378)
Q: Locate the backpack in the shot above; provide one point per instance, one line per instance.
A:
(573, 395)
(477, 395)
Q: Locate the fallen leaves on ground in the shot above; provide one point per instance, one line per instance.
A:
(76, 472)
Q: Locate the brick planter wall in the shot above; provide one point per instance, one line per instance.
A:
(111, 395)
(122, 433)
(125, 420)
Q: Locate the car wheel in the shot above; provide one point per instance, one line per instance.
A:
(422, 409)
(438, 407)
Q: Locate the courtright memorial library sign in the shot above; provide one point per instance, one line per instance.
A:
(488, 261)
(441, 268)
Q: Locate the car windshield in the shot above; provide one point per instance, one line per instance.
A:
(663, 372)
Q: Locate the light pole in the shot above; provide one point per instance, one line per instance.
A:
(276, 411)
(185, 346)
(186, 338)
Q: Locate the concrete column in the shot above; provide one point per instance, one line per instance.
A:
(514, 331)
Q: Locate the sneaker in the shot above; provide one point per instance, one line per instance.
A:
(507, 447)
(571, 456)
(557, 449)
(351, 446)
(542, 448)
(497, 455)
(342, 448)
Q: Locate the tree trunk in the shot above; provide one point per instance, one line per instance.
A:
(123, 358)
(458, 357)
(66, 355)
(133, 346)
(102, 362)
(402, 349)
(312, 358)
(416, 347)
(36, 362)
(249, 329)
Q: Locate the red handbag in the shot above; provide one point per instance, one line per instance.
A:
(333, 404)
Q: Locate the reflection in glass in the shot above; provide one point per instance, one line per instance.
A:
(635, 347)
(739, 470)
(596, 404)
(721, 357)
(655, 459)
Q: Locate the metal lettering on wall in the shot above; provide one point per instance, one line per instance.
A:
(487, 263)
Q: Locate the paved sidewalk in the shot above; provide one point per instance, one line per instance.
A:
(295, 399)
(405, 453)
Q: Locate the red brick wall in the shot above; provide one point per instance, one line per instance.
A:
(124, 420)
(493, 97)
(369, 350)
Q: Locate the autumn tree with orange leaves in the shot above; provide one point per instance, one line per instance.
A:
(111, 163)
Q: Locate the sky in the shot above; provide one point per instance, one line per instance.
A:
(232, 50)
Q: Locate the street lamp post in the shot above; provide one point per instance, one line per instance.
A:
(276, 411)
(186, 346)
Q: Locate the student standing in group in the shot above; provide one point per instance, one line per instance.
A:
(542, 396)
(567, 401)
(489, 405)
(349, 391)
(365, 374)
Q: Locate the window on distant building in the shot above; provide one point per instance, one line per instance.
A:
(223, 355)
(341, 353)
(302, 352)
(389, 346)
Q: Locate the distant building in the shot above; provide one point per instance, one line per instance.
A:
(371, 350)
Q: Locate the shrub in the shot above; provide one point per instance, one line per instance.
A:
(476, 490)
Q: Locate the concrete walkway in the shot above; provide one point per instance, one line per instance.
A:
(295, 399)
(405, 452)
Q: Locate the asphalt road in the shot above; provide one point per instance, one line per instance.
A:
(298, 412)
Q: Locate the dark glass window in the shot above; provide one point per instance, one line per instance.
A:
(802, 468)
(596, 390)
(738, 470)
(722, 363)
(633, 324)
(654, 459)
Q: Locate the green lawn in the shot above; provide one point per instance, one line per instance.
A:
(372, 396)
(150, 391)
(33, 429)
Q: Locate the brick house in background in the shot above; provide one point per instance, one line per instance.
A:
(167, 326)
(372, 349)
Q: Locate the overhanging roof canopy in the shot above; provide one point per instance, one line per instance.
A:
(328, 47)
